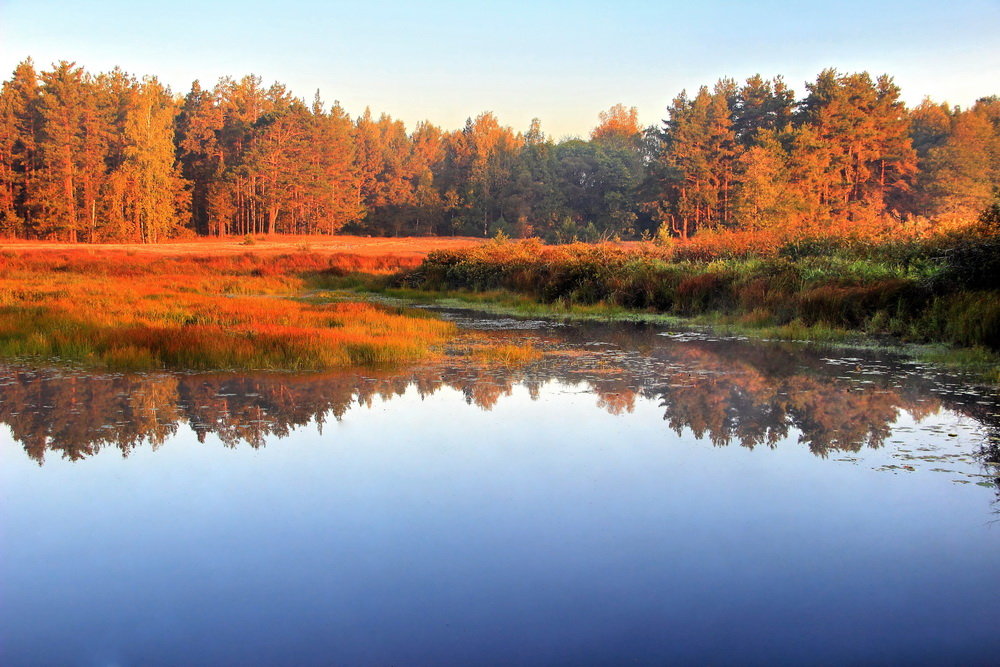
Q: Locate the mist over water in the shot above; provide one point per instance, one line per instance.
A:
(635, 494)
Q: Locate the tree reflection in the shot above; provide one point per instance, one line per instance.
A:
(726, 392)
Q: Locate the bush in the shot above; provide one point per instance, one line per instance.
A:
(970, 261)
(938, 290)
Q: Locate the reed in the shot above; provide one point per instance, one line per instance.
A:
(508, 354)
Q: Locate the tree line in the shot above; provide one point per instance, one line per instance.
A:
(105, 157)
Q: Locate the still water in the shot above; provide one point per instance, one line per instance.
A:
(633, 496)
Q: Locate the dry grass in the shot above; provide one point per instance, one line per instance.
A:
(408, 250)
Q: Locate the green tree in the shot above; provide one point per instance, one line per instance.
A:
(762, 105)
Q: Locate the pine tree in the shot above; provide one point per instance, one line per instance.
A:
(199, 126)
(696, 163)
(20, 126)
(761, 105)
(866, 131)
(61, 108)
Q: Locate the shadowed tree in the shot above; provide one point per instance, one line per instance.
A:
(963, 173)
(20, 124)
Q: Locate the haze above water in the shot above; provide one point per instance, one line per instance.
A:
(635, 495)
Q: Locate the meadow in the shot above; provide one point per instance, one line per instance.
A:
(144, 307)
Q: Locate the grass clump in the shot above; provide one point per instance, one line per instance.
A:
(508, 355)
(979, 361)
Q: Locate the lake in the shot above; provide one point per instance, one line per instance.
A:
(637, 495)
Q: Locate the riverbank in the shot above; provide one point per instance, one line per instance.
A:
(139, 308)
(939, 298)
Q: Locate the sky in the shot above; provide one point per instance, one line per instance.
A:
(562, 62)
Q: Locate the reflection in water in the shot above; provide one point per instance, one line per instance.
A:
(569, 524)
(726, 391)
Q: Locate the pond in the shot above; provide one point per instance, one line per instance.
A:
(634, 495)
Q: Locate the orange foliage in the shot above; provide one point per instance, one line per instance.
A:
(235, 311)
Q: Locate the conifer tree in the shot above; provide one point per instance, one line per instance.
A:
(20, 126)
(335, 196)
(61, 108)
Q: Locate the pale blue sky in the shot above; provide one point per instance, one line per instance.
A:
(563, 62)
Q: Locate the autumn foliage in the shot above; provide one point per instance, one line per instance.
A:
(111, 157)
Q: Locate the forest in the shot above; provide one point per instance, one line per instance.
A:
(113, 157)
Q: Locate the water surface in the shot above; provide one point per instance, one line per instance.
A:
(634, 495)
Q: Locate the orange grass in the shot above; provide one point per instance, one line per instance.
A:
(508, 354)
(405, 249)
(153, 311)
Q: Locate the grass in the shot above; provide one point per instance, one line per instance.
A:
(272, 306)
(191, 312)
(982, 363)
(401, 250)
(508, 355)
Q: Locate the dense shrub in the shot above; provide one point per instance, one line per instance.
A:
(970, 262)
(944, 289)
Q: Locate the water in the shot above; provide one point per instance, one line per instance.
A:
(633, 496)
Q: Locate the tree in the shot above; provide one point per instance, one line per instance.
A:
(200, 153)
(334, 193)
(761, 105)
(866, 131)
(61, 106)
(619, 128)
(481, 160)
(20, 123)
(696, 161)
(427, 159)
(276, 159)
(762, 196)
(963, 173)
(157, 197)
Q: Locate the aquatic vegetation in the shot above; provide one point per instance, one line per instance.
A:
(507, 354)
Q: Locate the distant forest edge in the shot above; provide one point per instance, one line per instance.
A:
(110, 157)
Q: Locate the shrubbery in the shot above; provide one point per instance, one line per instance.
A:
(943, 289)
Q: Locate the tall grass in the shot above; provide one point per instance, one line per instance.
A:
(127, 312)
